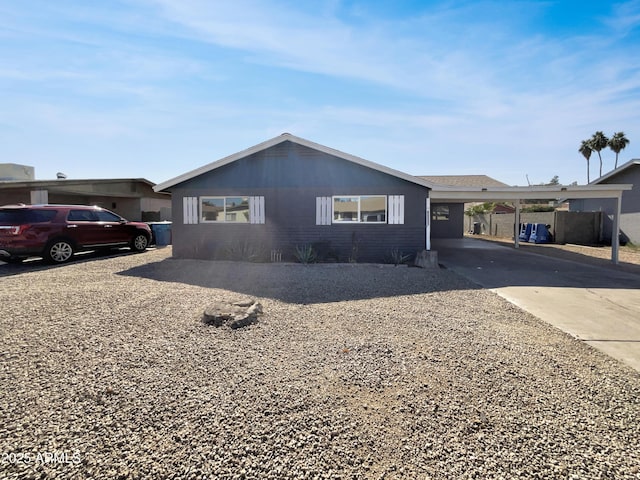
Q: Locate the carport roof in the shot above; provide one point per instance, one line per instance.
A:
(113, 187)
(443, 193)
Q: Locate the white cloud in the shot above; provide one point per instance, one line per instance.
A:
(471, 81)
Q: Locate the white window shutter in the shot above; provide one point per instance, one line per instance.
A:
(323, 210)
(256, 210)
(190, 210)
(395, 211)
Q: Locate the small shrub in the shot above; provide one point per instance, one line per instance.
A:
(396, 257)
(243, 251)
(537, 208)
(305, 254)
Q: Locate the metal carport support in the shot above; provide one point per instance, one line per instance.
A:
(516, 225)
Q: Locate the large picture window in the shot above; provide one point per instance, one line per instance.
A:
(225, 209)
(360, 209)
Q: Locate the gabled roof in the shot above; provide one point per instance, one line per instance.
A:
(287, 137)
(463, 180)
(621, 168)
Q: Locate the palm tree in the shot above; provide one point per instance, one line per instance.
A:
(585, 149)
(599, 141)
(617, 143)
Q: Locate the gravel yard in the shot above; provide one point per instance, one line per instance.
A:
(354, 371)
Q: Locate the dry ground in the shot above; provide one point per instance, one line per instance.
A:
(107, 371)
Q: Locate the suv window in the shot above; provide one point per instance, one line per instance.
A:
(105, 216)
(82, 216)
(22, 217)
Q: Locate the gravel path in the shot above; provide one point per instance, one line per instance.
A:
(108, 371)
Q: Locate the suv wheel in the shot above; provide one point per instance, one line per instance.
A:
(139, 242)
(58, 251)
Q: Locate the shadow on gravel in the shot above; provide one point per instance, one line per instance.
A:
(38, 264)
(302, 284)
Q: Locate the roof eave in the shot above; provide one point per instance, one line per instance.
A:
(621, 168)
(68, 181)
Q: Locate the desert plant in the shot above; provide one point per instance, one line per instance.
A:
(486, 207)
(397, 257)
(243, 251)
(599, 141)
(538, 208)
(586, 150)
(305, 254)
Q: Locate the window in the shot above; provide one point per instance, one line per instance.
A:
(225, 209)
(20, 216)
(82, 216)
(360, 209)
(240, 209)
(105, 216)
(440, 212)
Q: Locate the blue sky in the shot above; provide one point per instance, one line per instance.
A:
(155, 88)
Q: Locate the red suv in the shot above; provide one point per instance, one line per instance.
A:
(55, 232)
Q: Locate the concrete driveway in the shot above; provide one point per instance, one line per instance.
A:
(600, 306)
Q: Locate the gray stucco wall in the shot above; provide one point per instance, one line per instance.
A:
(630, 207)
(566, 227)
(582, 228)
(502, 224)
(290, 177)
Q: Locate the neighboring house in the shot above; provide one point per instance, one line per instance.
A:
(482, 181)
(501, 208)
(628, 173)
(448, 220)
(13, 171)
(132, 198)
(289, 192)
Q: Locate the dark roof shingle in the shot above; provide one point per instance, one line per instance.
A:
(463, 180)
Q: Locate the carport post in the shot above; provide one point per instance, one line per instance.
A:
(516, 227)
(615, 234)
(428, 224)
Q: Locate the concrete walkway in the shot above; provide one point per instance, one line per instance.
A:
(600, 306)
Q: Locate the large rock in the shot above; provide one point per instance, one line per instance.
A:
(233, 315)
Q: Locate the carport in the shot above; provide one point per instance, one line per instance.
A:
(447, 194)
